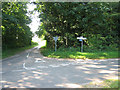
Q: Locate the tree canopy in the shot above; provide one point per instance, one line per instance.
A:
(97, 21)
(15, 31)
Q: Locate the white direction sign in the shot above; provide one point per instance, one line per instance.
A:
(55, 38)
(81, 38)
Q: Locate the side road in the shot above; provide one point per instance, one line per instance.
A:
(30, 69)
(18, 54)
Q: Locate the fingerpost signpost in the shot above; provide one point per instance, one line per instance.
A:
(55, 38)
(81, 39)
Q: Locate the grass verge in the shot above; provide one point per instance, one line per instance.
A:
(10, 52)
(109, 83)
(75, 54)
(112, 83)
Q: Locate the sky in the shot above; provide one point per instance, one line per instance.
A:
(34, 25)
(35, 20)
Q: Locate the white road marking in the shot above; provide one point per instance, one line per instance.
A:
(79, 60)
(54, 65)
(64, 64)
(1, 72)
(27, 68)
(24, 65)
(40, 61)
(30, 68)
(27, 55)
(16, 70)
(42, 66)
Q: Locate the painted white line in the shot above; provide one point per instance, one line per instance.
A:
(27, 55)
(79, 60)
(24, 65)
(39, 61)
(1, 72)
(72, 63)
(30, 68)
(64, 64)
(16, 70)
(54, 65)
(27, 68)
(42, 66)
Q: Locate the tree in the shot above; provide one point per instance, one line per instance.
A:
(15, 32)
(72, 19)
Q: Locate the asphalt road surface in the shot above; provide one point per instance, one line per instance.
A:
(30, 69)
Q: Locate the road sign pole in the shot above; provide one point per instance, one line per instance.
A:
(55, 46)
(82, 46)
(55, 38)
(81, 39)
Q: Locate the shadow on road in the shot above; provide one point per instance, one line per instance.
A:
(43, 72)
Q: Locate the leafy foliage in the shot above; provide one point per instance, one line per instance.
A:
(15, 32)
(68, 20)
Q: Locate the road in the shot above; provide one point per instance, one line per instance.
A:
(30, 69)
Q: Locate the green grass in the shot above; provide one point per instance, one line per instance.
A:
(10, 52)
(112, 83)
(109, 83)
(74, 53)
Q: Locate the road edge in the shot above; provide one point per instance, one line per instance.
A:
(18, 54)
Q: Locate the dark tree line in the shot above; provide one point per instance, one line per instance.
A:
(97, 21)
(15, 31)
